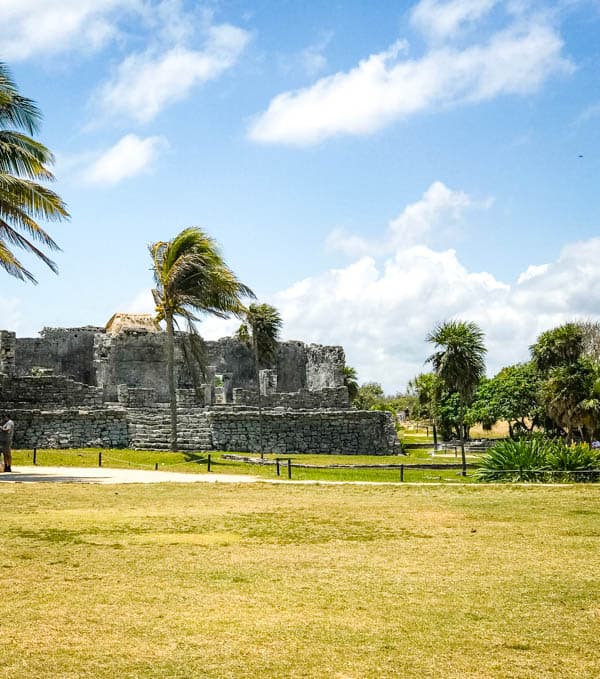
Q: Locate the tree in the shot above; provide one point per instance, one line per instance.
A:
(191, 278)
(459, 363)
(569, 379)
(511, 395)
(369, 395)
(426, 388)
(23, 200)
(261, 330)
(350, 382)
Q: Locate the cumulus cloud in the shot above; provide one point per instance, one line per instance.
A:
(389, 85)
(435, 213)
(147, 82)
(381, 313)
(130, 156)
(33, 27)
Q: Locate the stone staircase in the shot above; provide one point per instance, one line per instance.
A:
(150, 430)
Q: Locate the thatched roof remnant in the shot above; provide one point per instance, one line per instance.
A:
(123, 322)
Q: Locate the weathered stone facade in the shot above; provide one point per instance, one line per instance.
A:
(88, 387)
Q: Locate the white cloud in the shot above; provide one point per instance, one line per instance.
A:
(433, 215)
(130, 156)
(147, 82)
(388, 86)
(34, 27)
(381, 313)
(441, 20)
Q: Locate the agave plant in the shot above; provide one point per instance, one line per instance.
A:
(578, 457)
(516, 460)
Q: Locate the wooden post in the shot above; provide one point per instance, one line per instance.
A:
(277, 465)
(208, 465)
(35, 456)
(401, 472)
(100, 459)
(156, 466)
(289, 467)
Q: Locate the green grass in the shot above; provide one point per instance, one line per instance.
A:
(197, 463)
(353, 582)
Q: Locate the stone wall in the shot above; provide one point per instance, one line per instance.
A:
(329, 398)
(342, 432)
(70, 428)
(8, 344)
(67, 351)
(233, 429)
(47, 392)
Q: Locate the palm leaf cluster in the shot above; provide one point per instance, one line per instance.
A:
(23, 165)
(261, 329)
(192, 278)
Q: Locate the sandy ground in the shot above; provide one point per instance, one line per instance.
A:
(112, 476)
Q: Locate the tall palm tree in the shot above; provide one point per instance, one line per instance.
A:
(191, 278)
(23, 200)
(459, 363)
(261, 330)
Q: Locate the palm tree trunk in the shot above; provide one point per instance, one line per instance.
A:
(171, 381)
(434, 436)
(260, 422)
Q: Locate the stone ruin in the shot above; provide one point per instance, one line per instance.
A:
(107, 387)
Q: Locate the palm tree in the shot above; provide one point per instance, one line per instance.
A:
(261, 330)
(351, 382)
(191, 278)
(23, 163)
(459, 363)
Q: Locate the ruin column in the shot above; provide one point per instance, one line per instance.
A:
(8, 345)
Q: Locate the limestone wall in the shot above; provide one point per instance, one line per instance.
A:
(341, 432)
(70, 428)
(67, 351)
(47, 392)
(329, 398)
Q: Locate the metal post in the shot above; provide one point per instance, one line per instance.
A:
(289, 467)
(156, 466)
(277, 465)
(208, 464)
(35, 456)
(100, 459)
(401, 472)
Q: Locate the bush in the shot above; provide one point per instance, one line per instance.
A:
(578, 457)
(537, 458)
(515, 460)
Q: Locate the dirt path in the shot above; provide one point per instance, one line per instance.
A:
(110, 475)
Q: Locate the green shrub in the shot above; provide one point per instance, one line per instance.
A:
(578, 457)
(537, 458)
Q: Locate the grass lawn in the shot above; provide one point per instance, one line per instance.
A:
(261, 581)
(197, 463)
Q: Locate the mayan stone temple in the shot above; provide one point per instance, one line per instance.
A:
(107, 387)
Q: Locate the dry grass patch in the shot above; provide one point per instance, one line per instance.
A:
(261, 581)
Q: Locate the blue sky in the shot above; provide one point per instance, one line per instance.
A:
(371, 168)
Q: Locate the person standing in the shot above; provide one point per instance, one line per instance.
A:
(8, 428)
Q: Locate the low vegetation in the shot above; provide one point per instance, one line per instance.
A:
(538, 458)
(218, 581)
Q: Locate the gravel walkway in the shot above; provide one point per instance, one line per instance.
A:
(110, 475)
